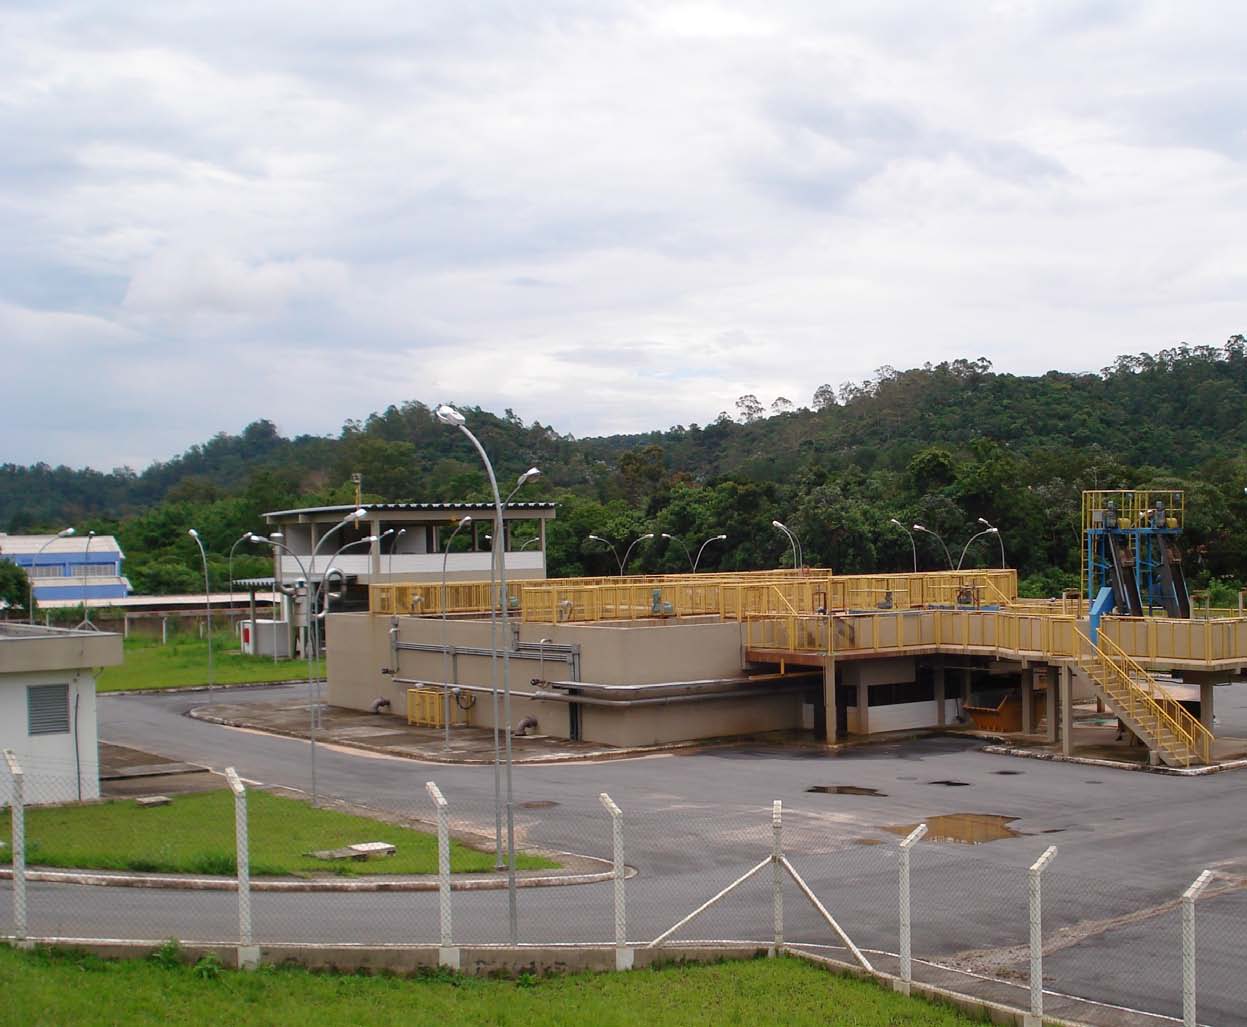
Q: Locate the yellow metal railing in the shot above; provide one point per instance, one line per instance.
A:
(1139, 697)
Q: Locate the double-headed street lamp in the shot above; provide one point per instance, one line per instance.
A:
(672, 538)
(798, 561)
(999, 538)
(928, 531)
(611, 547)
(450, 416)
(912, 544)
(30, 583)
(985, 531)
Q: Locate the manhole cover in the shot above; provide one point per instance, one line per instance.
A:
(951, 784)
(846, 790)
(538, 804)
(966, 828)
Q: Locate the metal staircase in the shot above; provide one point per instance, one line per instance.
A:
(1141, 704)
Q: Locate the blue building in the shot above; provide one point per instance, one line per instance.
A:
(68, 570)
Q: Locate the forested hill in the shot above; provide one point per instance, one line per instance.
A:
(948, 443)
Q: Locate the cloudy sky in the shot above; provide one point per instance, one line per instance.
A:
(607, 216)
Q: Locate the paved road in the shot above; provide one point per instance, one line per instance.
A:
(1129, 843)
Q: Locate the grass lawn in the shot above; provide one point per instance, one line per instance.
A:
(195, 834)
(53, 989)
(184, 661)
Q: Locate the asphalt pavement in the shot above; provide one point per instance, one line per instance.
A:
(1129, 842)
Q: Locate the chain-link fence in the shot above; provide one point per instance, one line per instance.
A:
(253, 867)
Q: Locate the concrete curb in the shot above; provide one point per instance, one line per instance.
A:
(203, 714)
(414, 883)
(1087, 761)
(231, 686)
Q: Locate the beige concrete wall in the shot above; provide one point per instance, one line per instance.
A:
(678, 722)
(889, 671)
(60, 651)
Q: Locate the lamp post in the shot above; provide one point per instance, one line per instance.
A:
(611, 547)
(389, 573)
(672, 538)
(203, 556)
(450, 416)
(712, 538)
(85, 624)
(323, 587)
(999, 538)
(245, 537)
(919, 527)
(985, 531)
(30, 591)
(313, 638)
(797, 559)
(463, 523)
(274, 540)
(628, 551)
(912, 544)
(535, 538)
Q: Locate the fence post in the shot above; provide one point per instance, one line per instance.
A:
(1188, 946)
(777, 876)
(17, 811)
(623, 954)
(248, 951)
(1035, 1018)
(447, 953)
(907, 974)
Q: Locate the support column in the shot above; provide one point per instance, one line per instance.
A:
(940, 696)
(1205, 704)
(965, 690)
(1050, 706)
(1028, 700)
(863, 707)
(1067, 711)
(830, 719)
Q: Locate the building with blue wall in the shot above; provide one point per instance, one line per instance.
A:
(69, 569)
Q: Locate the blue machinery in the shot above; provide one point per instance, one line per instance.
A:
(1131, 562)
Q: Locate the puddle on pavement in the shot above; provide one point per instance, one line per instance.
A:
(965, 828)
(867, 841)
(1008, 773)
(951, 784)
(539, 804)
(1093, 782)
(846, 790)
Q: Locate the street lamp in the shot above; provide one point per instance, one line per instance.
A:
(85, 624)
(30, 593)
(999, 538)
(611, 547)
(919, 527)
(985, 531)
(912, 544)
(450, 416)
(628, 551)
(797, 559)
(463, 523)
(313, 638)
(274, 540)
(712, 538)
(535, 538)
(672, 538)
(203, 556)
(389, 573)
(244, 537)
(323, 587)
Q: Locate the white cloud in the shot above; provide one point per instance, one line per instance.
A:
(608, 216)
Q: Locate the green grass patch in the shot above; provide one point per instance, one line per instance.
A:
(44, 988)
(184, 661)
(195, 835)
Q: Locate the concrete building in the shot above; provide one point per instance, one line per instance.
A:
(47, 707)
(69, 570)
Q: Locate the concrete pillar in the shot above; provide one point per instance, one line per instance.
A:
(1028, 699)
(1205, 704)
(940, 697)
(1050, 706)
(1067, 712)
(829, 697)
(863, 708)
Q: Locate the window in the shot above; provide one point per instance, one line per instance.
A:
(48, 570)
(47, 709)
(93, 570)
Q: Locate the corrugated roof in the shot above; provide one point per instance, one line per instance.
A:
(29, 545)
(381, 507)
